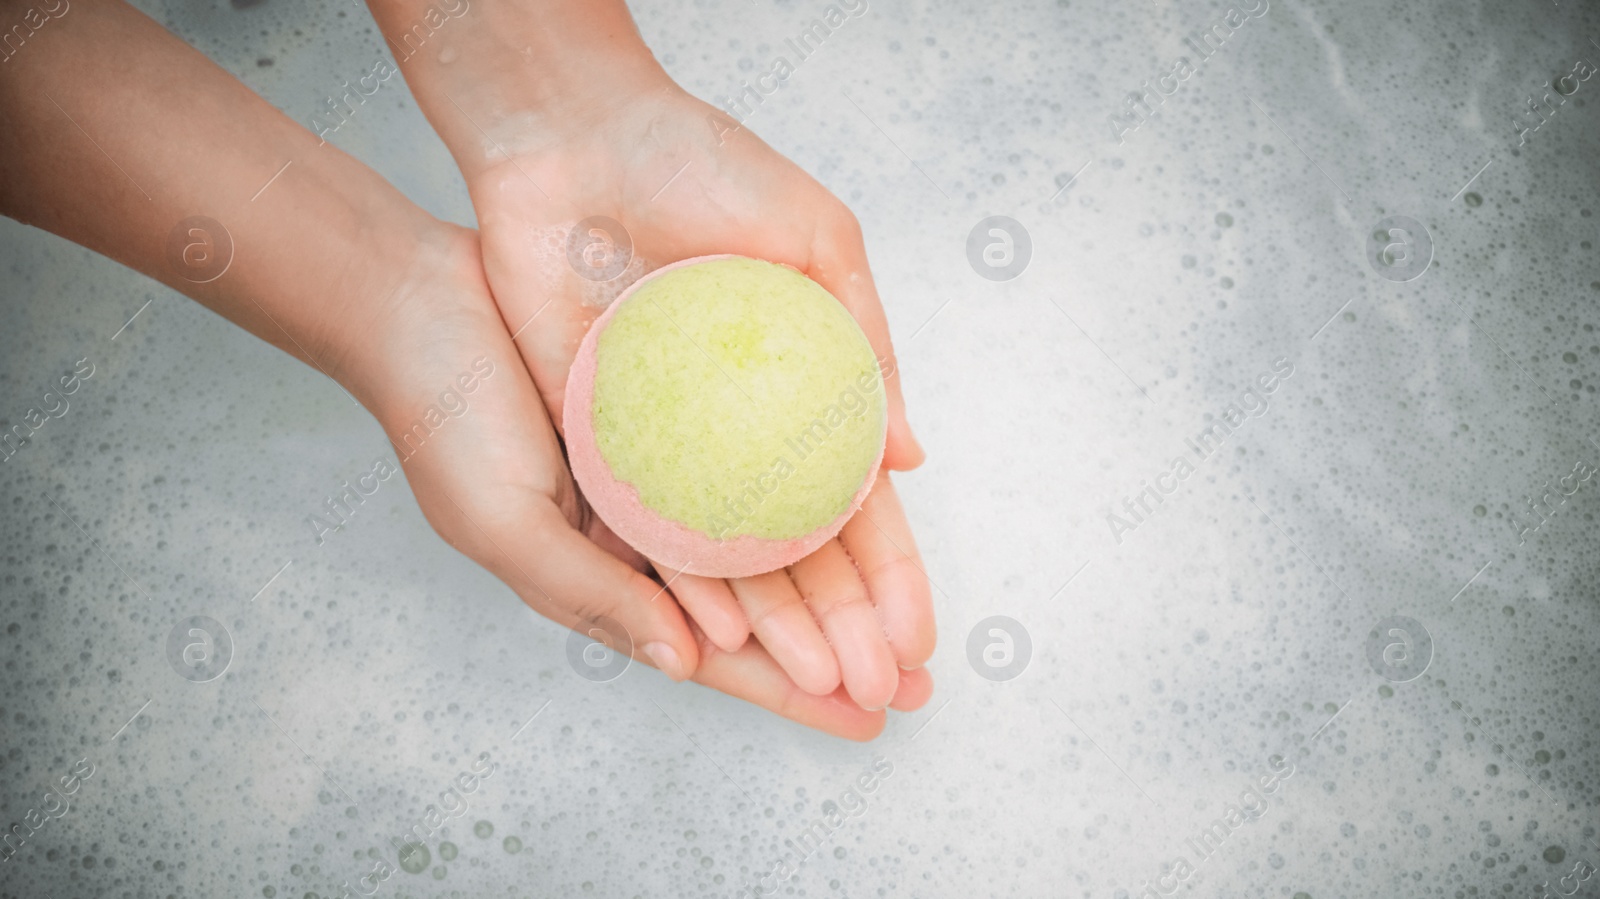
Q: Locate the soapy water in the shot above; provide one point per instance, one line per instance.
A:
(1391, 480)
(593, 258)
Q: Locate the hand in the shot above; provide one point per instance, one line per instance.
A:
(492, 482)
(685, 180)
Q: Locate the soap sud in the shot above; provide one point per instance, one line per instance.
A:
(548, 247)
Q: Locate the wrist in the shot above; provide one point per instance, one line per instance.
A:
(325, 264)
(499, 79)
(416, 289)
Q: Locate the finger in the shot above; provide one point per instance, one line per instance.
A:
(783, 624)
(879, 539)
(565, 577)
(753, 675)
(839, 263)
(832, 588)
(914, 690)
(711, 604)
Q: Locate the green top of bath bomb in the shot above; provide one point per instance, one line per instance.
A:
(738, 397)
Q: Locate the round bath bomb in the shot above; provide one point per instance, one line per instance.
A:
(725, 416)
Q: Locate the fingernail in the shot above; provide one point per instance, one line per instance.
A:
(666, 659)
(874, 709)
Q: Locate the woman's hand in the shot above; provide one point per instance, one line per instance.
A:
(492, 482)
(556, 112)
(685, 181)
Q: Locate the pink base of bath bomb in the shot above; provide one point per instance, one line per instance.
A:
(660, 539)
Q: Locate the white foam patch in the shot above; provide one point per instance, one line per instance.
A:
(548, 248)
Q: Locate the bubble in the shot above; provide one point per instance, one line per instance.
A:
(1480, 511)
(1555, 855)
(599, 248)
(1473, 199)
(1225, 220)
(1399, 248)
(512, 845)
(1399, 648)
(448, 851)
(483, 830)
(199, 648)
(414, 858)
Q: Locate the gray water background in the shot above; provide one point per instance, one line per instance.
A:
(1169, 665)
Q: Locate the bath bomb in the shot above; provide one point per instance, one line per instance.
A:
(725, 416)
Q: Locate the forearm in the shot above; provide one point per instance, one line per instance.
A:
(113, 132)
(497, 78)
